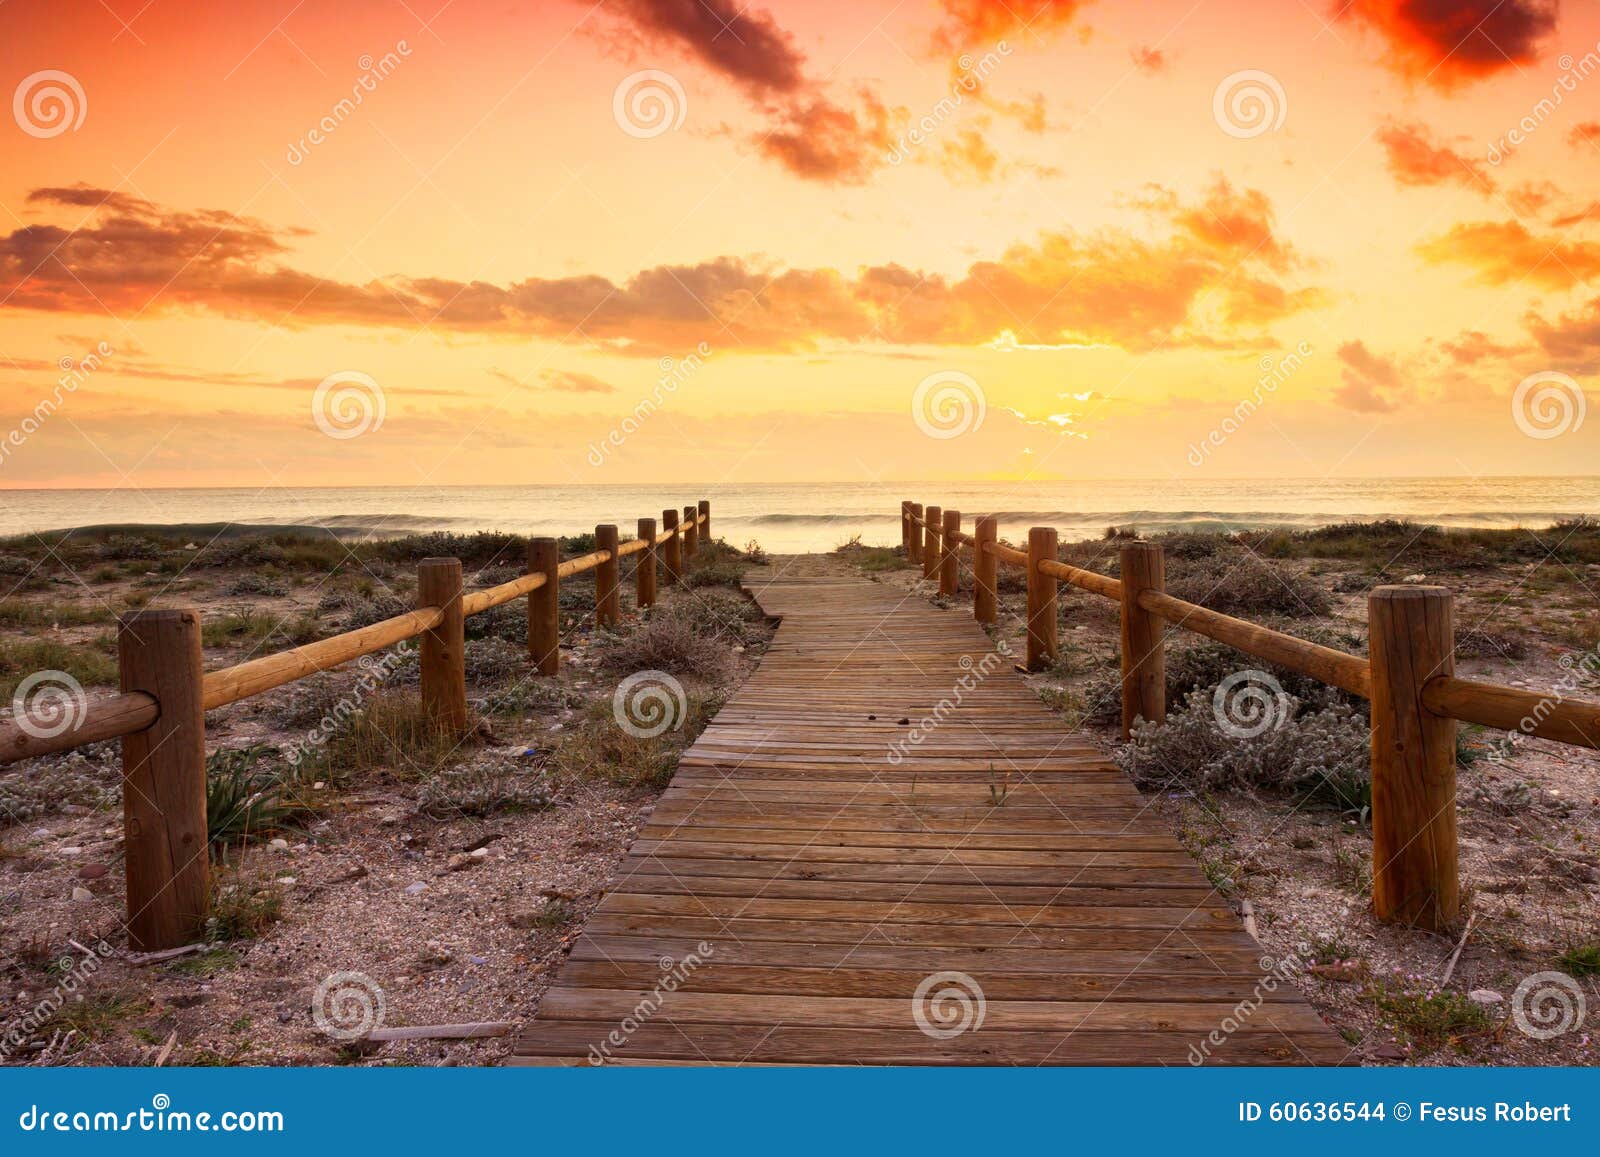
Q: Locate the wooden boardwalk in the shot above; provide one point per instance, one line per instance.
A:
(798, 883)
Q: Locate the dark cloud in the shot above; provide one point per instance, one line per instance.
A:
(746, 47)
(1446, 43)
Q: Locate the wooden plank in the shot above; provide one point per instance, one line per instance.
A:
(850, 830)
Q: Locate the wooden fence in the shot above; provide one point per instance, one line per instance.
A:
(160, 712)
(1408, 676)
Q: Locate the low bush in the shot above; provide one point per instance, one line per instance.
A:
(91, 664)
(716, 564)
(390, 732)
(1324, 752)
(483, 788)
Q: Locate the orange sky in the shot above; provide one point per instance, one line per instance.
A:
(1066, 224)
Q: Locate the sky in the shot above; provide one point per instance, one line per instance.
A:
(307, 242)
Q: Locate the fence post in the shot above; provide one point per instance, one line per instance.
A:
(905, 526)
(607, 578)
(705, 516)
(1411, 639)
(985, 567)
(1041, 599)
(672, 549)
(444, 648)
(930, 542)
(691, 535)
(1144, 660)
(544, 606)
(949, 559)
(672, 556)
(164, 782)
(914, 543)
(644, 571)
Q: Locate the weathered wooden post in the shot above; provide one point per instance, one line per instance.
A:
(1144, 660)
(914, 549)
(444, 647)
(905, 526)
(705, 519)
(985, 568)
(644, 570)
(950, 554)
(672, 556)
(544, 606)
(1411, 639)
(930, 542)
(1041, 599)
(164, 782)
(691, 535)
(607, 578)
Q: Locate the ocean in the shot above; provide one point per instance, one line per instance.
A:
(816, 517)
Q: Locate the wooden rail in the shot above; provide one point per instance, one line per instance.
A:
(160, 712)
(1409, 678)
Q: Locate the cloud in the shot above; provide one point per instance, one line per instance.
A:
(983, 23)
(575, 382)
(1572, 338)
(822, 141)
(1507, 252)
(1473, 346)
(809, 132)
(1151, 61)
(1415, 159)
(1448, 43)
(1368, 383)
(748, 48)
(1215, 270)
(1585, 133)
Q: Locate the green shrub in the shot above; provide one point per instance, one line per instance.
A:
(244, 800)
